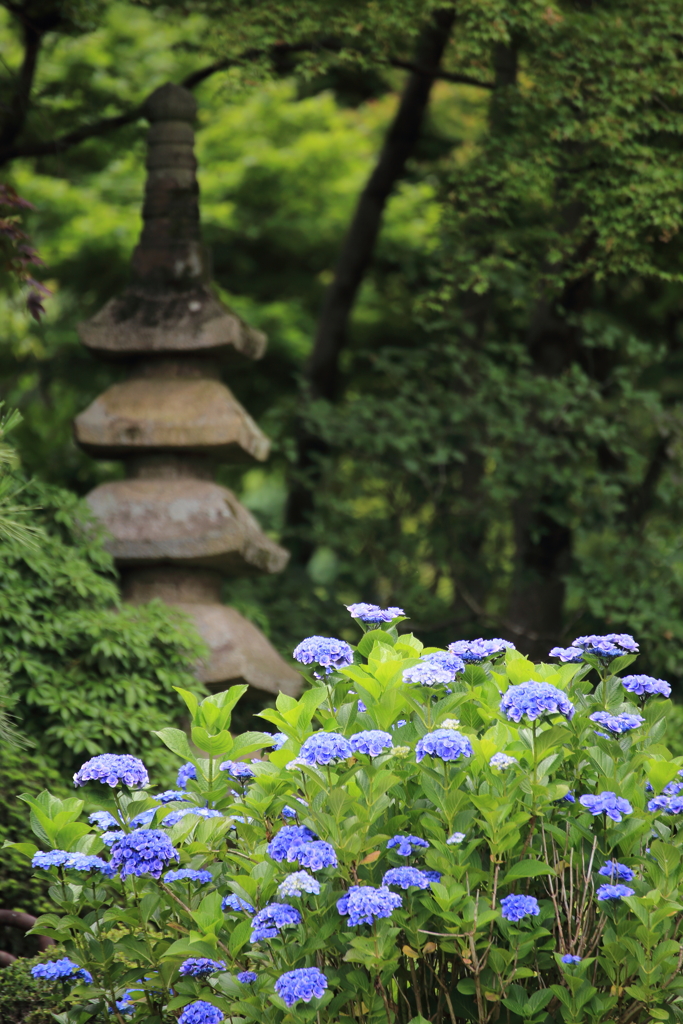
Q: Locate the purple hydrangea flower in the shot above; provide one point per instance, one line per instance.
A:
(324, 651)
(288, 812)
(646, 686)
(373, 613)
(613, 892)
(404, 844)
(314, 855)
(448, 744)
(606, 803)
(476, 650)
(613, 869)
(304, 983)
(533, 700)
(431, 669)
(169, 795)
(236, 903)
(144, 852)
(112, 769)
(571, 655)
(609, 646)
(189, 875)
(103, 820)
(455, 839)
(269, 921)
(371, 742)
(237, 769)
(668, 804)
(569, 959)
(290, 835)
(200, 1012)
(406, 878)
(185, 773)
(616, 723)
(514, 908)
(364, 904)
(568, 798)
(361, 707)
(201, 967)
(297, 883)
(324, 748)
(55, 970)
(502, 761)
(247, 977)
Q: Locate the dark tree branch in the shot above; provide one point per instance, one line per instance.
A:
(14, 117)
(438, 73)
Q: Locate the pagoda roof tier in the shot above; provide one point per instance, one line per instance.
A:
(145, 415)
(183, 522)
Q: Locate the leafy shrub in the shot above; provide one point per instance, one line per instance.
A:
(387, 860)
(24, 1000)
(90, 673)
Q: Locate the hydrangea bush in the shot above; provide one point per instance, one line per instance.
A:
(428, 836)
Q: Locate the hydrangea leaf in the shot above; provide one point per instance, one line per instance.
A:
(526, 869)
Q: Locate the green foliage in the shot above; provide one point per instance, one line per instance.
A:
(24, 1000)
(90, 674)
(448, 952)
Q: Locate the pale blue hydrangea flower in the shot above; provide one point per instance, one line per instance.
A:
(447, 744)
(269, 921)
(363, 904)
(533, 700)
(146, 851)
(646, 686)
(236, 903)
(502, 761)
(103, 820)
(324, 748)
(570, 655)
(613, 869)
(406, 878)
(514, 908)
(185, 773)
(372, 742)
(373, 613)
(279, 740)
(606, 803)
(112, 769)
(455, 839)
(297, 883)
(305, 983)
(432, 669)
(199, 812)
(568, 958)
(143, 818)
(169, 796)
(611, 645)
(404, 844)
(314, 855)
(188, 875)
(201, 1012)
(287, 837)
(613, 892)
(237, 769)
(616, 723)
(325, 651)
(474, 651)
(668, 804)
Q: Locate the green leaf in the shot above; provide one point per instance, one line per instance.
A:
(526, 869)
(239, 937)
(176, 740)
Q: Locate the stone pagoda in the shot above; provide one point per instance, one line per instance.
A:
(174, 533)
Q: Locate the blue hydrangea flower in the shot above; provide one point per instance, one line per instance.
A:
(570, 655)
(54, 970)
(297, 883)
(613, 892)
(324, 651)
(112, 769)
(616, 723)
(237, 769)
(324, 748)
(269, 921)
(606, 803)
(533, 700)
(432, 669)
(514, 908)
(406, 878)
(364, 904)
(169, 795)
(305, 983)
(290, 835)
(185, 773)
(609, 646)
(646, 686)
(433, 876)
(201, 967)
(189, 875)
(371, 742)
(143, 818)
(279, 740)
(473, 651)
(502, 761)
(404, 844)
(74, 861)
(455, 839)
(236, 903)
(200, 1012)
(125, 1005)
(288, 812)
(144, 852)
(200, 812)
(247, 977)
(103, 820)
(361, 707)
(109, 838)
(314, 855)
(668, 804)
(613, 869)
(568, 798)
(569, 959)
(448, 744)
(373, 613)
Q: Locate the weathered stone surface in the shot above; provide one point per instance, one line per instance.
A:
(147, 415)
(169, 321)
(186, 522)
